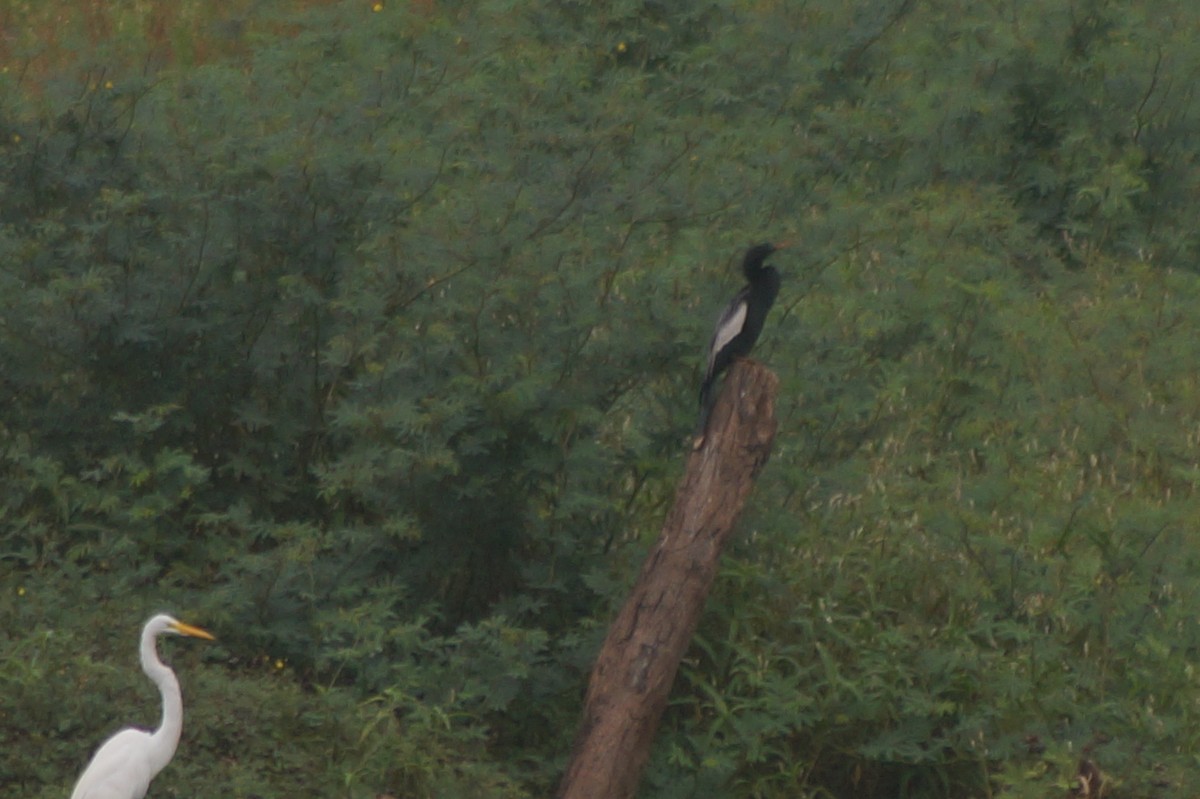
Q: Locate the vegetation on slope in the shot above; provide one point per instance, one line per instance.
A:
(367, 336)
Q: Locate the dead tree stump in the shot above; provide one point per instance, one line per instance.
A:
(632, 677)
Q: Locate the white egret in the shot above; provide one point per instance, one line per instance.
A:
(124, 765)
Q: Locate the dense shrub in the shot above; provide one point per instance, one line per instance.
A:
(367, 335)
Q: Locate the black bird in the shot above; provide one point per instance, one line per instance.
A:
(742, 320)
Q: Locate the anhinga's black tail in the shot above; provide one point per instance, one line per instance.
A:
(706, 403)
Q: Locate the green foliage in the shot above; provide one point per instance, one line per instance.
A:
(369, 339)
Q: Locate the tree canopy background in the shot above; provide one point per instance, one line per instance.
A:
(368, 336)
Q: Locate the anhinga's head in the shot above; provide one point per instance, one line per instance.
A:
(755, 256)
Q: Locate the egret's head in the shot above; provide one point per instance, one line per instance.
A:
(163, 623)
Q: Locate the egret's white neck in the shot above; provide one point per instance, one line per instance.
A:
(166, 737)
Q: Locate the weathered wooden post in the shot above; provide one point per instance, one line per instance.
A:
(632, 678)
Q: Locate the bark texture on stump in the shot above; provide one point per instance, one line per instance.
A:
(632, 677)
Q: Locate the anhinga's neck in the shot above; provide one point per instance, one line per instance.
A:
(752, 266)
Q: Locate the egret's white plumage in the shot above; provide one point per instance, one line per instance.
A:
(124, 765)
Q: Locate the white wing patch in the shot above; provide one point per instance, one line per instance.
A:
(728, 326)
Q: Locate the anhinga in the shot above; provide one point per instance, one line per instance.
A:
(742, 320)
